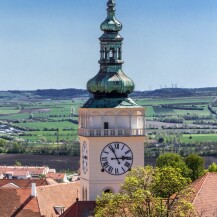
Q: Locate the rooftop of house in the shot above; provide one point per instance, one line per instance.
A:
(205, 195)
(18, 173)
(21, 204)
(59, 195)
(58, 176)
(80, 209)
(10, 185)
(24, 183)
(50, 200)
(32, 170)
(50, 181)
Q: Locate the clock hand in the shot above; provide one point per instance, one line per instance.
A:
(122, 158)
(115, 155)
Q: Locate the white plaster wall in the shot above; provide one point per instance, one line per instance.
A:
(140, 122)
(96, 122)
(134, 124)
(123, 122)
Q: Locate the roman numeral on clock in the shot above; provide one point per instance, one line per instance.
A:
(127, 164)
(110, 147)
(123, 147)
(104, 158)
(105, 164)
(117, 145)
(116, 171)
(110, 169)
(127, 152)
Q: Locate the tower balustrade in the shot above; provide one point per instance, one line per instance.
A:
(108, 123)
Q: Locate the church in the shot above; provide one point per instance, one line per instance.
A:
(111, 124)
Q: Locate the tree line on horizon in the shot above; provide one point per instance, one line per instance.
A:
(163, 92)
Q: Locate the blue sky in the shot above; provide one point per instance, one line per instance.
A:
(54, 43)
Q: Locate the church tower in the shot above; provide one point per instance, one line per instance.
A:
(111, 125)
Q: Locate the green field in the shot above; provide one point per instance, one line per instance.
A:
(8, 111)
(154, 106)
(40, 114)
(41, 118)
(181, 100)
(192, 138)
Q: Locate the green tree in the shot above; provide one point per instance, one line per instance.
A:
(31, 116)
(17, 163)
(213, 167)
(43, 139)
(3, 143)
(161, 140)
(175, 161)
(169, 180)
(1, 150)
(146, 192)
(16, 147)
(196, 164)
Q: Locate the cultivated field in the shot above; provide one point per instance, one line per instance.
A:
(49, 126)
(60, 163)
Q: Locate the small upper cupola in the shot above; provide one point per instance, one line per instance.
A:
(111, 24)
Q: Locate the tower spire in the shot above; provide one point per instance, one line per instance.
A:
(111, 23)
(111, 7)
(110, 81)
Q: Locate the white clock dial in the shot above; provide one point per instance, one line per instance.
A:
(116, 158)
(84, 158)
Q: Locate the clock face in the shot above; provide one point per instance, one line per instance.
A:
(84, 158)
(116, 158)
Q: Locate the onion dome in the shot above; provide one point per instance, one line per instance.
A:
(110, 84)
(111, 24)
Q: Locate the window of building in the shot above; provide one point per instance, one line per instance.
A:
(108, 191)
(106, 125)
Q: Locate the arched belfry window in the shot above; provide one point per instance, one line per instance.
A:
(111, 53)
(102, 53)
(119, 53)
(105, 53)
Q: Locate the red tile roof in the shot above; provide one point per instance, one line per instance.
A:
(18, 202)
(55, 176)
(32, 170)
(10, 185)
(63, 194)
(51, 181)
(18, 173)
(205, 196)
(80, 209)
(24, 183)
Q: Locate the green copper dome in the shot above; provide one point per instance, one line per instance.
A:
(111, 23)
(110, 81)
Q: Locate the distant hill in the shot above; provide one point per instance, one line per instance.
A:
(75, 93)
(177, 92)
(64, 93)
